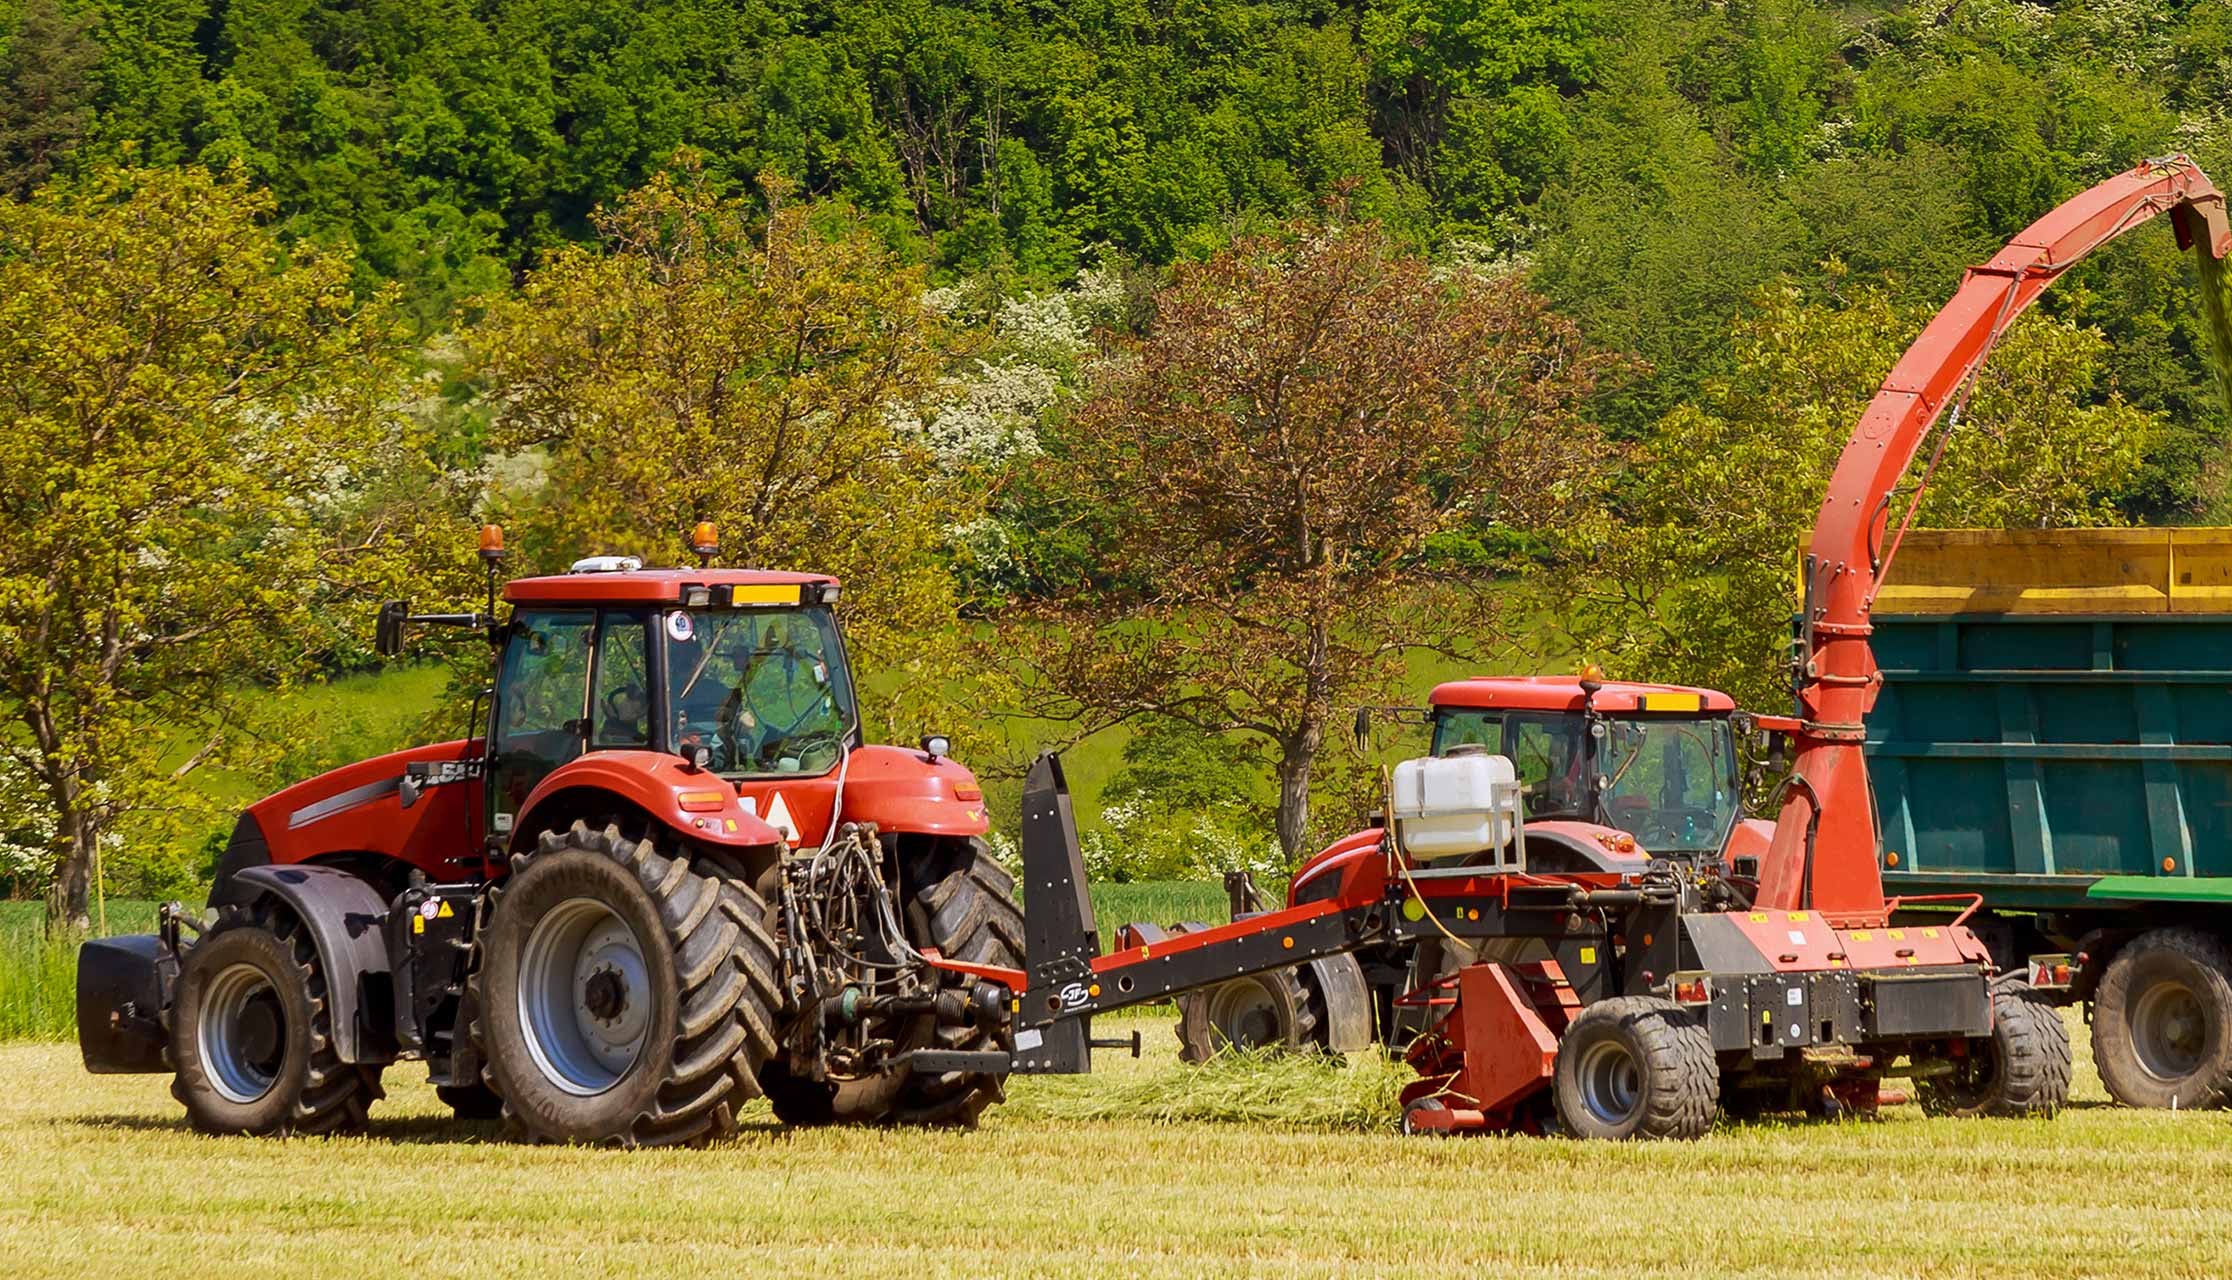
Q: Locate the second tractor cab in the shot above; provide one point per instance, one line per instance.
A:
(666, 875)
(1611, 775)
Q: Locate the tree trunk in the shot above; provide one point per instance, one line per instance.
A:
(68, 892)
(1294, 802)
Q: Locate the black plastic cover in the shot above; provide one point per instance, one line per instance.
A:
(122, 984)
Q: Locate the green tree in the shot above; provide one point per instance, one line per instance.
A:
(1266, 466)
(1692, 578)
(194, 400)
(703, 364)
(46, 92)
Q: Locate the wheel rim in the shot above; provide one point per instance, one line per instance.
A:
(1245, 1015)
(2169, 1031)
(1611, 1082)
(584, 996)
(242, 1032)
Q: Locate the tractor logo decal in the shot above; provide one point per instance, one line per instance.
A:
(1074, 995)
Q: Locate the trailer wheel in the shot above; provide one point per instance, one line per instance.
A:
(1279, 1008)
(2162, 1021)
(1636, 1067)
(251, 1036)
(625, 997)
(2021, 1069)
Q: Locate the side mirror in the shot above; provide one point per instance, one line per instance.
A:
(1364, 730)
(388, 636)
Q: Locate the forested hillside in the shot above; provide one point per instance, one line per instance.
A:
(1703, 229)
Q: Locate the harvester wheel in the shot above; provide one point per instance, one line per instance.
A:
(1277, 1008)
(2162, 1021)
(251, 1035)
(625, 996)
(2021, 1069)
(1637, 1067)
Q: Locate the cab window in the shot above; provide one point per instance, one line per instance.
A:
(620, 708)
(542, 702)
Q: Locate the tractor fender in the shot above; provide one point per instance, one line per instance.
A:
(1348, 1002)
(347, 920)
(652, 781)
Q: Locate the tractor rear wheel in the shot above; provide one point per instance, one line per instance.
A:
(1279, 1008)
(625, 997)
(2021, 1069)
(2162, 1021)
(1636, 1067)
(959, 901)
(252, 1038)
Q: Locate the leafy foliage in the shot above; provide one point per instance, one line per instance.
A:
(1691, 578)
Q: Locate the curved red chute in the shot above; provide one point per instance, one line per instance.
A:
(1824, 852)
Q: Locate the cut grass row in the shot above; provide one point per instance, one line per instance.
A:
(38, 974)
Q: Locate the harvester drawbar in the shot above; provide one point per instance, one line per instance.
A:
(1661, 985)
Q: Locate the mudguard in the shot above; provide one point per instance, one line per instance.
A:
(346, 919)
(1348, 1002)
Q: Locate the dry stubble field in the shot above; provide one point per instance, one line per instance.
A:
(99, 1177)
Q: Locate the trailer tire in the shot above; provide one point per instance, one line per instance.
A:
(2162, 1021)
(1636, 1067)
(683, 981)
(2021, 1069)
(252, 1036)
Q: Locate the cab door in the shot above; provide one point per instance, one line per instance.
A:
(571, 681)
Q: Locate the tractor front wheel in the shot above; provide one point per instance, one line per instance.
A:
(251, 1036)
(1636, 1067)
(624, 996)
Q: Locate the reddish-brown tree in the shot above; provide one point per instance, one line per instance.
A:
(1265, 469)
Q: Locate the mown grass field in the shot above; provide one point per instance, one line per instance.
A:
(1257, 1170)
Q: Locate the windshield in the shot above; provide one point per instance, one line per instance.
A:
(758, 690)
(1670, 783)
(1673, 784)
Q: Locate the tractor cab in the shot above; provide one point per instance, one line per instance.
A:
(1658, 762)
(733, 672)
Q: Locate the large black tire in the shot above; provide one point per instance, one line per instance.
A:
(2162, 1021)
(1636, 1067)
(1280, 1008)
(683, 981)
(2021, 1069)
(252, 1037)
(959, 901)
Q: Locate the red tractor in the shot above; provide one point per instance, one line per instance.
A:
(1668, 785)
(665, 876)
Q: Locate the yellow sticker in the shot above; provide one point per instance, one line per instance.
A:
(1863, 935)
(1588, 955)
(1929, 933)
(446, 912)
(1766, 1017)
(1759, 917)
(1798, 917)
(418, 923)
(1898, 935)
(1411, 909)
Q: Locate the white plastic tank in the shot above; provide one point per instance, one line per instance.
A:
(1455, 806)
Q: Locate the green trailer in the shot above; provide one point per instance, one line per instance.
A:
(2054, 735)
